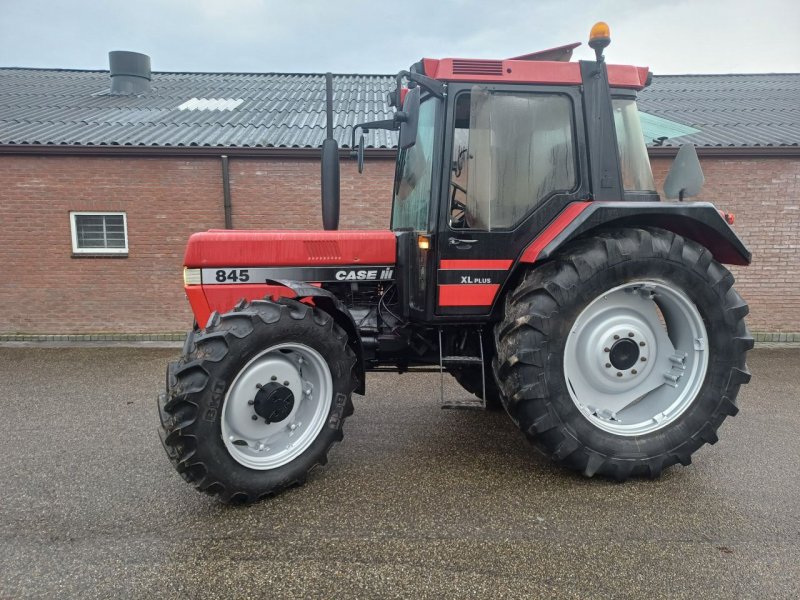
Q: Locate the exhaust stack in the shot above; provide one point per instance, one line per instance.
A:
(330, 165)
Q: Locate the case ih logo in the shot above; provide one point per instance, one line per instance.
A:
(364, 274)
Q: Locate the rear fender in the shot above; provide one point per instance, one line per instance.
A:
(698, 221)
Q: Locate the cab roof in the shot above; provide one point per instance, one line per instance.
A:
(545, 67)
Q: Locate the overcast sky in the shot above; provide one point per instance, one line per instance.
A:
(361, 36)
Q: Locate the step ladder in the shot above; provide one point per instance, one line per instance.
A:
(458, 361)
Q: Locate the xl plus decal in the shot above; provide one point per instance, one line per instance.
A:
(447, 277)
(470, 282)
(228, 275)
(470, 279)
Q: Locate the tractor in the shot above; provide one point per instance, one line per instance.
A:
(529, 256)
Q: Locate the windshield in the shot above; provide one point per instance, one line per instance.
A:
(412, 186)
(634, 163)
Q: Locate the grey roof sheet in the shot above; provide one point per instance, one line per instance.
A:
(278, 110)
(729, 110)
(48, 106)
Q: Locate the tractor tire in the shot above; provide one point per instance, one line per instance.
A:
(469, 378)
(624, 354)
(257, 399)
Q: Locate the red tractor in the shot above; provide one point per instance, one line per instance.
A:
(529, 256)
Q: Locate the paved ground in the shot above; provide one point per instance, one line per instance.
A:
(417, 501)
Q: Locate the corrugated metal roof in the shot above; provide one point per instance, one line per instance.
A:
(276, 110)
(728, 110)
(64, 107)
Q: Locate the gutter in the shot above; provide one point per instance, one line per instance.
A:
(182, 151)
(731, 151)
(344, 153)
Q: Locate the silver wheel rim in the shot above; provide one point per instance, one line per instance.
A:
(257, 444)
(636, 358)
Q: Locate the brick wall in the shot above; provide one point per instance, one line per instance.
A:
(285, 194)
(764, 194)
(44, 290)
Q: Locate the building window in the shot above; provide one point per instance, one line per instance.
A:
(99, 232)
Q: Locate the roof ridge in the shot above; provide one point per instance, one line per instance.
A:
(235, 73)
(323, 73)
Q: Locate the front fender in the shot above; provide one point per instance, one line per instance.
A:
(326, 301)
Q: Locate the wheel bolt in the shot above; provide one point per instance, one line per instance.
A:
(608, 365)
(259, 386)
(285, 383)
(254, 417)
(250, 402)
(634, 371)
(630, 334)
(643, 359)
(274, 378)
(641, 343)
(619, 374)
(606, 349)
(616, 337)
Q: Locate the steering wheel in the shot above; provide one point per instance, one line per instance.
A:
(458, 210)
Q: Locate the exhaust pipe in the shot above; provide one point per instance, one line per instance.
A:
(330, 165)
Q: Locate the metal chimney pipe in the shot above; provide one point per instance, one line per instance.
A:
(130, 72)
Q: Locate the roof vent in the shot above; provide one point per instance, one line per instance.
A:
(130, 72)
(463, 66)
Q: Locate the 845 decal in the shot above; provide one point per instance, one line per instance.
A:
(235, 275)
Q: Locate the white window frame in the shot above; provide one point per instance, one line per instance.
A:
(74, 229)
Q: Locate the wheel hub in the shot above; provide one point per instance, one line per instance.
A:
(276, 406)
(624, 354)
(273, 402)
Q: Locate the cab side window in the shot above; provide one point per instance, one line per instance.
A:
(511, 152)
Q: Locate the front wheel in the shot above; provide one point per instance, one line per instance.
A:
(258, 399)
(624, 354)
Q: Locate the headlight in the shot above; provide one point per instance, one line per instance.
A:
(191, 276)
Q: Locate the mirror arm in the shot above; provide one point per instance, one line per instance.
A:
(365, 127)
(434, 86)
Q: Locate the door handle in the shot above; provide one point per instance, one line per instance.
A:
(459, 242)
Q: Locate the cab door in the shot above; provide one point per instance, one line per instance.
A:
(412, 217)
(515, 163)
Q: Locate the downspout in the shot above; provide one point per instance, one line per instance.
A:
(226, 193)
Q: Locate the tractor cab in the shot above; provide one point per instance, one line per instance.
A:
(490, 152)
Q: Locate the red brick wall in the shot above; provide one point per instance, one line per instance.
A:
(764, 194)
(285, 194)
(44, 290)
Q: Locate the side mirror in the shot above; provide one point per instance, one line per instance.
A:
(360, 154)
(685, 177)
(409, 119)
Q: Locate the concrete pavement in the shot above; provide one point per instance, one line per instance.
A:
(416, 502)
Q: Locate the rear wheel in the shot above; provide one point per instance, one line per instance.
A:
(257, 399)
(624, 354)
